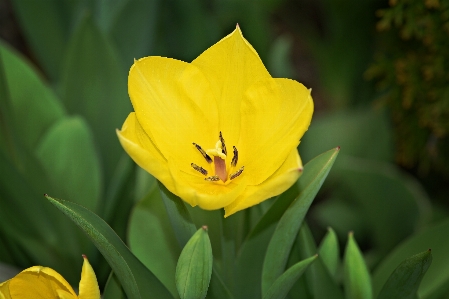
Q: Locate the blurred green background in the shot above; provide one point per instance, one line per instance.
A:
(379, 77)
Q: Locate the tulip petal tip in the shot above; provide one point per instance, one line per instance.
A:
(84, 256)
(301, 169)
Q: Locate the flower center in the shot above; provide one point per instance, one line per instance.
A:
(219, 154)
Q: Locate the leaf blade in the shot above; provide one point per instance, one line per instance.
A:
(136, 279)
(194, 267)
(287, 229)
(284, 283)
(406, 278)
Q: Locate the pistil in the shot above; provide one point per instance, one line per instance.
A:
(220, 168)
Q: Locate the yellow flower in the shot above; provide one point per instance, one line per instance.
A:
(219, 132)
(45, 283)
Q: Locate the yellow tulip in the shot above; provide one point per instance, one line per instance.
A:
(219, 132)
(45, 283)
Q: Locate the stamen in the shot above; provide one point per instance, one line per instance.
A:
(206, 156)
(237, 173)
(223, 144)
(213, 178)
(235, 158)
(199, 168)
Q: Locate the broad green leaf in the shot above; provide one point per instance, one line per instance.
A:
(68, 155)
(329, 252)
(48, 31)
(33, 106)
(284, 283)
(361, 133)
(436, 279)
(319, 281)
(152, 239)
(250, 259)
(194, 267)
(94, 86)
(113, 288)
(287, 229)
(404, 281)
(391, 202)
(357, 280)
(179, 216)
(136, 279)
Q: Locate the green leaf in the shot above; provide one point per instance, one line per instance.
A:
(149, 222)
(184, 229)
(319, 280)
(33, 107)
(391, 202)
(284, 283)
(250, 258)
(136, 279)
(94, 86)
(357, 280)
(179, 216)
(361, 133)
(194, 267)
(436, 279)
(113, 288)
(67, 151)
(329, 252)
(287, 229)
(404, 281)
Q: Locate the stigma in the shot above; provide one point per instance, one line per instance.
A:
(218, 156)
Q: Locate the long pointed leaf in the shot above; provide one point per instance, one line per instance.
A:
(137, 281)
(357, 280)
(404, 281)
(329, 252)
(252, 253)
(319, 280)
(287, 229)
(284, 283)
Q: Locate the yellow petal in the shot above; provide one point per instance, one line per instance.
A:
(174, 104)
(64, 295)
(208, 195)
(4, 290)
(39, 283)
(88, 284)
(275, 114)
(280, 181)
(231, 66)
(143, 151)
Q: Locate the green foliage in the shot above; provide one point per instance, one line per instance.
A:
(411, 71)
(194, 267)
(57, 136)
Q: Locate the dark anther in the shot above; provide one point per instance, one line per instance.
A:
(235, 158)
(206, 156)
(199, 168)
(223, 144)
(212, 178)
(237, 173)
